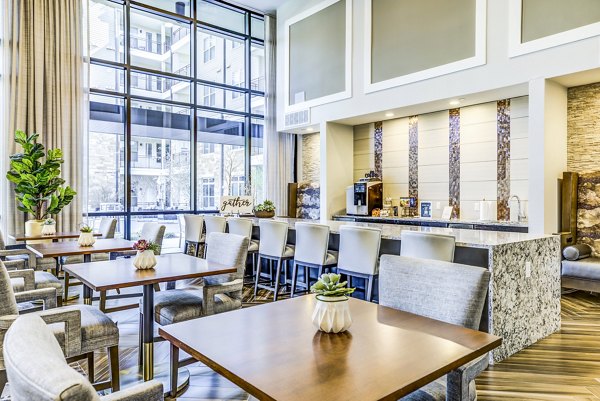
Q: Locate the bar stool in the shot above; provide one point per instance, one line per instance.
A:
(427, 245)
(243, 227)
(359, 255)
(312, 241)
(274, 248)
(193, 232)
(213, 224)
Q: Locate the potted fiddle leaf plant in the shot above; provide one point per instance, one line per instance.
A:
(332, 313)
(265, 209)
(39, 189)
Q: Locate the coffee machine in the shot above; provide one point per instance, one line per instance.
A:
(365, 195)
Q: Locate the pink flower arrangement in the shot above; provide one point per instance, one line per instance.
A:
(143, 245)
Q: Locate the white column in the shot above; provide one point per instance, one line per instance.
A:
(337, 167)
(547, 153)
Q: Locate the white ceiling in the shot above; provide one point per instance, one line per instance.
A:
(265, 6)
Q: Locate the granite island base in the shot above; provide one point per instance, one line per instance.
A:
(523, 303)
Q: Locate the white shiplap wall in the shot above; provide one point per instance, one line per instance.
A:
(395, 158)
(364, 152)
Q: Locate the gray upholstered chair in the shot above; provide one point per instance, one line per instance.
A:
(218, 294)
(38, 371)
(445, 291)
(15, 258)
(80, 329)
(427, 245)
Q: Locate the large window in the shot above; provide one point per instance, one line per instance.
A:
(176, 109)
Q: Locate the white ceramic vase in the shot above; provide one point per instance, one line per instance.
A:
(48, 229)
(332, 314)
(86, 239)
(144, 260)
(33, 228)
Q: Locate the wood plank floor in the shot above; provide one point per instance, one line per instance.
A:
(564, 366)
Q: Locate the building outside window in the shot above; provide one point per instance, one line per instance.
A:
(140, 164)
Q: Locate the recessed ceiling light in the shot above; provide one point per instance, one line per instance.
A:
(390, 114)
(454, 102)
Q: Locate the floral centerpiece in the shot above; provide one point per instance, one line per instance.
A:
(86, 235)
(49, 226)
(146, 254)
(265, 209)
(332, 313)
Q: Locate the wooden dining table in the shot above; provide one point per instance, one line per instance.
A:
(120, 273)
(54, 237)
(274, 352)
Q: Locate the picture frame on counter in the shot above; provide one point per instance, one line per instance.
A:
(447, 213)
(425, 209)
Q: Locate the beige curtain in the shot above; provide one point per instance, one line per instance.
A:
(46, 91)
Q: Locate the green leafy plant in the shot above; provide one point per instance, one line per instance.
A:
(143, 245)
(329, 285)
(49, 222)
(266, 206)
(38, 186)
(84, 228)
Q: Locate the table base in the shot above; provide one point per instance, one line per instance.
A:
(162, 374)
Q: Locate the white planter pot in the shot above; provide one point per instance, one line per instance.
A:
(144, 260)
(48, 229)
(86, 239)
(33, 228)
(332, 314)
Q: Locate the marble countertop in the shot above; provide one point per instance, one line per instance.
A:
(464, 237)
(440, 220)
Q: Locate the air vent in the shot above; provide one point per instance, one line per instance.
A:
(297, 118)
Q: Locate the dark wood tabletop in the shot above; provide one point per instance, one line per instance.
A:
(274, 352)
(55, 236)
(120, 273)
(71, 248)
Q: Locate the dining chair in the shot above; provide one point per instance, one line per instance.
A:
(242, 226)
(80, 329)
(273, 247)
(311, 252)
(37, 369)
(213, 224)
(450, 292)
(359, 255)
(17, 258)
(194, 226)
(427, 245)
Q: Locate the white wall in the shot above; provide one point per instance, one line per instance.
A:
(364, 152)
(337, 166)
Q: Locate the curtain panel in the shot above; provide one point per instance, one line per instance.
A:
(45, 85)
(279, 146)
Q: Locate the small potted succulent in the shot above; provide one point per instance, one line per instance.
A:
(265, 209)
(86, 235)
(332, 313)
(49, 226)
(146, 254)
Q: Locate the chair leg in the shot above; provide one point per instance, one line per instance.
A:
(294, 280)
(254, 255)
(174, 370)
(369, 288)
(257, 276)
(196, 249)
(113, 355)
(91, 373)
(270, 263)
(59, 300)
(66, 286)
(307, 277)
(185, 247)
(277, 278)
(349, 279)
(102, 305)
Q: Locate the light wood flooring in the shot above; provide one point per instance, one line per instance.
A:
(564, 366)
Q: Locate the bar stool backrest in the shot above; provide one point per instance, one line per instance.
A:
(312, 241)
(215, 224)
(427, 246)
(359, 249)
(240, 226)
(193, 227)
(273, 238)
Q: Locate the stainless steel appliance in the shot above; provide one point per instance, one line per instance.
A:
(365, 195)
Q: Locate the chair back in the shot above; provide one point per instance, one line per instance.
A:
(359, 249)
(2, 243)
(214, 224)
(273, 237)
(240, 226)
(312, 241)
(427, 246)
(193, 227)
(36, 367)
(229, 250)
(450, 292)
(154, 232)
(108, 226)
(8, 304)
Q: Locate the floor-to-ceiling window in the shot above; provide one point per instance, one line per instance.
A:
(176, 109)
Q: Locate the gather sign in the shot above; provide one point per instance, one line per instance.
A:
(237, 204)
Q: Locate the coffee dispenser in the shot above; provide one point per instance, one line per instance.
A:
(365, 195)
